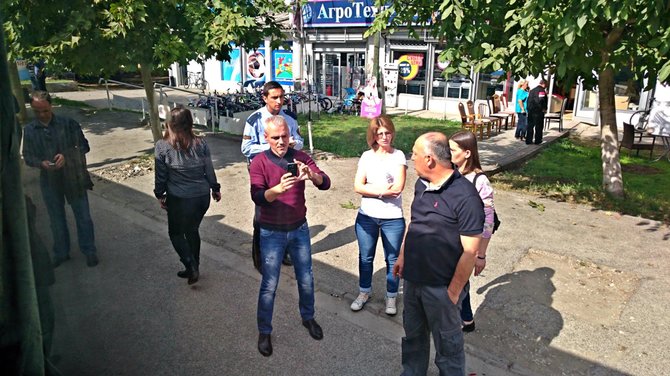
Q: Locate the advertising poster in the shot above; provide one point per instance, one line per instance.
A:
(282, 67)
(230, 71)
(371, 104)
(390, 74)
(256, 65)
(22, 66)
(408, 66)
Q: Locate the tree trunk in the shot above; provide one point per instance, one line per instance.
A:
(17, 90)
(154, 120)
(609, 140)
(20, 329)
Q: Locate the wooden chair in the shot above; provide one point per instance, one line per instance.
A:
(556, 116)
(470, 124)
(505, 109)
(485, 121)
(494, 111)
(629, 140)
(495, 121)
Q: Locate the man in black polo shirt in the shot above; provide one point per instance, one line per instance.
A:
(437, 258)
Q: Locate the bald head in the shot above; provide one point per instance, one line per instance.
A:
(436, 144)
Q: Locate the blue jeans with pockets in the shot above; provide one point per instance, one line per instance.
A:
(273, 246)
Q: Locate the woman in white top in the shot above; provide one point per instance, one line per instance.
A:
(380, 179)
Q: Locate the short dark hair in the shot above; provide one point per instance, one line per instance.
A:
(39, 95)
(270, 85)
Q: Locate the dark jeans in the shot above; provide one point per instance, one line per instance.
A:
(428, 310)
(184, 217)
(466, 309)
(54, 199)
(521, 124)
(535, 127)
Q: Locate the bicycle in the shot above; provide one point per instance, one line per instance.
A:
(196, 81)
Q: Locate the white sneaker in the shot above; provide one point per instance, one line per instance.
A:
(390, 306)
(360, 301)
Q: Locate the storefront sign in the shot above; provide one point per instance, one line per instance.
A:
(320, 13)
(408, 66)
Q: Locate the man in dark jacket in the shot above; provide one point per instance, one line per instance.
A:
(57, 146)
(537, 106)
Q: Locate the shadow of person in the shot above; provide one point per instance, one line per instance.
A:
(516, 320)
(334, 240)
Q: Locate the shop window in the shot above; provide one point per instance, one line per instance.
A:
(456, 86)
(627, 92)
(497, 82)
(411, 72)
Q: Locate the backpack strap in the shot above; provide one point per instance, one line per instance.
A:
(477, 175)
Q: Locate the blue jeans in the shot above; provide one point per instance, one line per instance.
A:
(273, 246)
(521, 125)
(367, 232)
(54, 200)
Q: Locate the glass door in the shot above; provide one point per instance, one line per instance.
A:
(330, 74)
(355, 75)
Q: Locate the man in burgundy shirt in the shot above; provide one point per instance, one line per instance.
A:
(283, 225)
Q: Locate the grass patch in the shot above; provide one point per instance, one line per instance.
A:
(70, 102)
(570, 170)
(344, 135)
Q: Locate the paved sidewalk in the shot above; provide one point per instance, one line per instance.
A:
(568, 290)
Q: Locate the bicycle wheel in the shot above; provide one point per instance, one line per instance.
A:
(326, 103)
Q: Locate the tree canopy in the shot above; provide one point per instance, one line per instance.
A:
(106, 36)
(589, 39)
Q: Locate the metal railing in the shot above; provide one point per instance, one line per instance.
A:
(162, 97)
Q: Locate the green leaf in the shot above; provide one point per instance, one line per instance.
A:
(664, 73)
(570, 37)
(581, 21)
(654, 43)
(510, 13)
(561, 70)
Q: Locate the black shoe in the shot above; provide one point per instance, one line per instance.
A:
(59, 260)
(287, 260)
(314, 329)
(193, 276)
(537, 143)
(183, 273)
(468, 328)
(92, 260)
(265, 344)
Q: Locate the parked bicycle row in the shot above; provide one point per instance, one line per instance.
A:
(230, 103)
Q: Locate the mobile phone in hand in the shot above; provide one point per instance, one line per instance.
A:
(292, 168)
